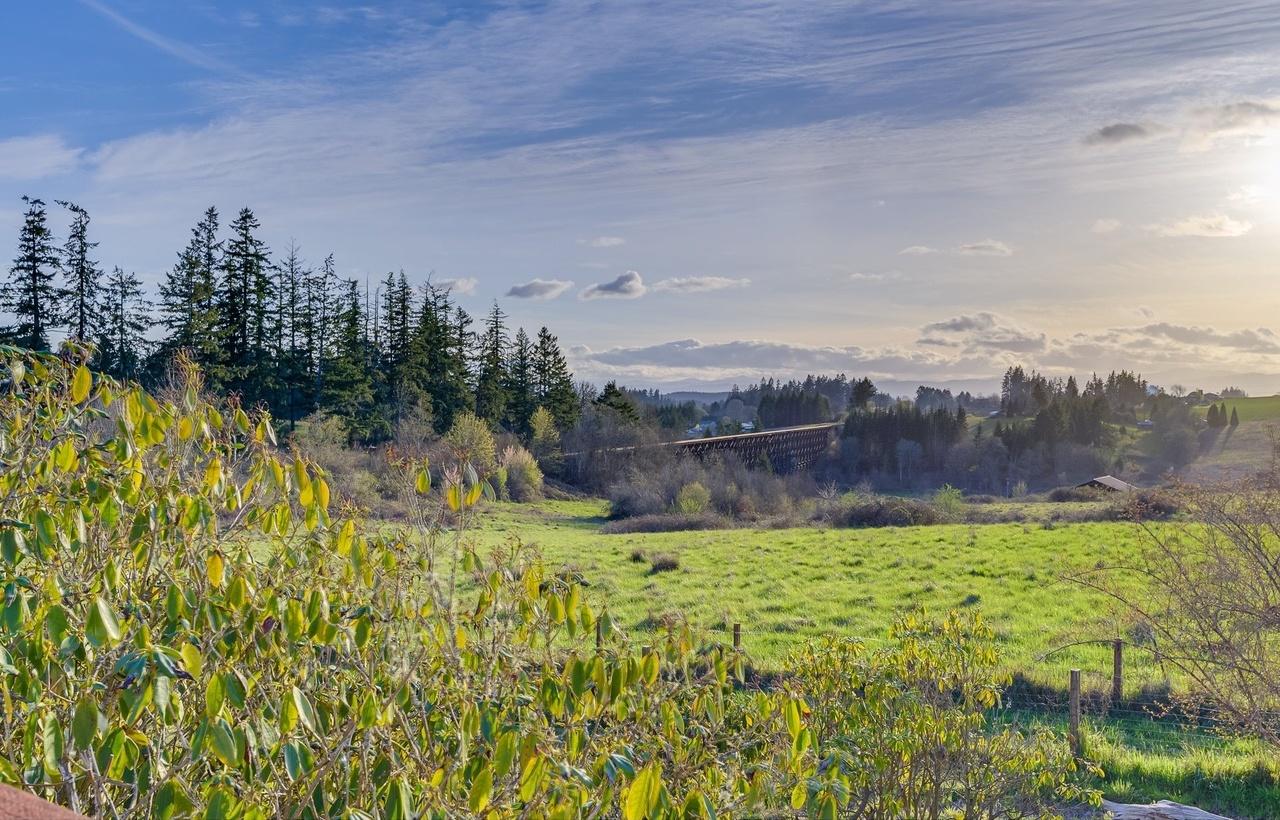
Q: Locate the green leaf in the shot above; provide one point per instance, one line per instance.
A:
(214, 694)
(101, 627)
(399, 805)
(481, 790)
(84, 723)
(224, 743)
(51, 734)
(306, 713)
(642, 796)
(81, 384)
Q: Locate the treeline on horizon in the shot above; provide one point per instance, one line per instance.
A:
(280, 334)
(298, 340)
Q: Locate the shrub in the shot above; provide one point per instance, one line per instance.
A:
(1061, 494)
(195, 634)
(663, 562)
(472, 441)
(693, 499)
(874, 715)
(524, 479)
(665, 522)
(888, 511)
(949, 502)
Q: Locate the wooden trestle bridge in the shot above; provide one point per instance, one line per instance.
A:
(786, 449)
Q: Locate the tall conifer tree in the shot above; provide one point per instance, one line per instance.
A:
(84, 277)
(31, 294)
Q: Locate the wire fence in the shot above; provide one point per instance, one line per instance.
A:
(1148, 719)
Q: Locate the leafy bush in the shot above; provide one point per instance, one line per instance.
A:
(663, 562)
(524, 479)
(887, 511)
(1061, 494)
(190, 630)
(665, 522)
(949, 502)
(693, 499)
(472, 442)
(870, 718)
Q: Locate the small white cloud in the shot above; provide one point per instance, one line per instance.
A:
(1210, 225)
(540, 289)
(1105, 226)
(464, 286)
(629, 285)
(1246, 196)
(985, 247)
(917, 250)
(873, 276)
(1247, 119)
(603, 242)
(699, 284)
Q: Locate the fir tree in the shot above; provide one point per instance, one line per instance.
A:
(83, 277)
(553, 383)
(613, 399)
(243, 309)
(348, 389)
(189, 300)
(1235, 419)
(124, 325)
(1211, 418)
(491, 378)
(520, 385)
(30, 294)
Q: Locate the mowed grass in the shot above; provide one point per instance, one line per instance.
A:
(1260, 408)
(786, 586)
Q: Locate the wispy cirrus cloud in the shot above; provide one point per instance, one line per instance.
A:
(29, 158)
(1105, 226)
(629, 285)
(982, 247)
(1219, 226)
(174, 48)
(540, 289)
(698, 284)
(985, 247)
(603, 242)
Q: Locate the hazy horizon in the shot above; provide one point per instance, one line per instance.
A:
(696, 196)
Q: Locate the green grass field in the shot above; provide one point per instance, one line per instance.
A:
(1144, 761)
(785, 586)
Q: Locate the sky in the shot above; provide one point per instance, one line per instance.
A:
(698, 194)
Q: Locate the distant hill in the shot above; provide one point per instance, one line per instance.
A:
(1227, 453)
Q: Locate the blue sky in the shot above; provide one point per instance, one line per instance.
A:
(698, 194)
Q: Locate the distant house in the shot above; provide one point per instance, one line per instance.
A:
(1109, 483)
(1146, 424)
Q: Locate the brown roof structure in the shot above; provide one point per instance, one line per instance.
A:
(16, 804)
(1109, 482)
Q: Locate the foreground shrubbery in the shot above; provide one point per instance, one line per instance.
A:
(189, 629)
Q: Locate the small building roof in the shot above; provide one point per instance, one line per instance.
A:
(1109, 482)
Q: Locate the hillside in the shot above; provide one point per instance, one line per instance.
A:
(1226, 453)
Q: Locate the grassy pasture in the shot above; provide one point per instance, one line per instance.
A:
(789, 585)
(785, 586)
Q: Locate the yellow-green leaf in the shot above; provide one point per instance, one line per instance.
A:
(81, 384)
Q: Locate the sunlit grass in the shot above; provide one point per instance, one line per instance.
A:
(785, 586)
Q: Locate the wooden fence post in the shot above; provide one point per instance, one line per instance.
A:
(1074, 731)
(737, 637)
(1117, 672)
